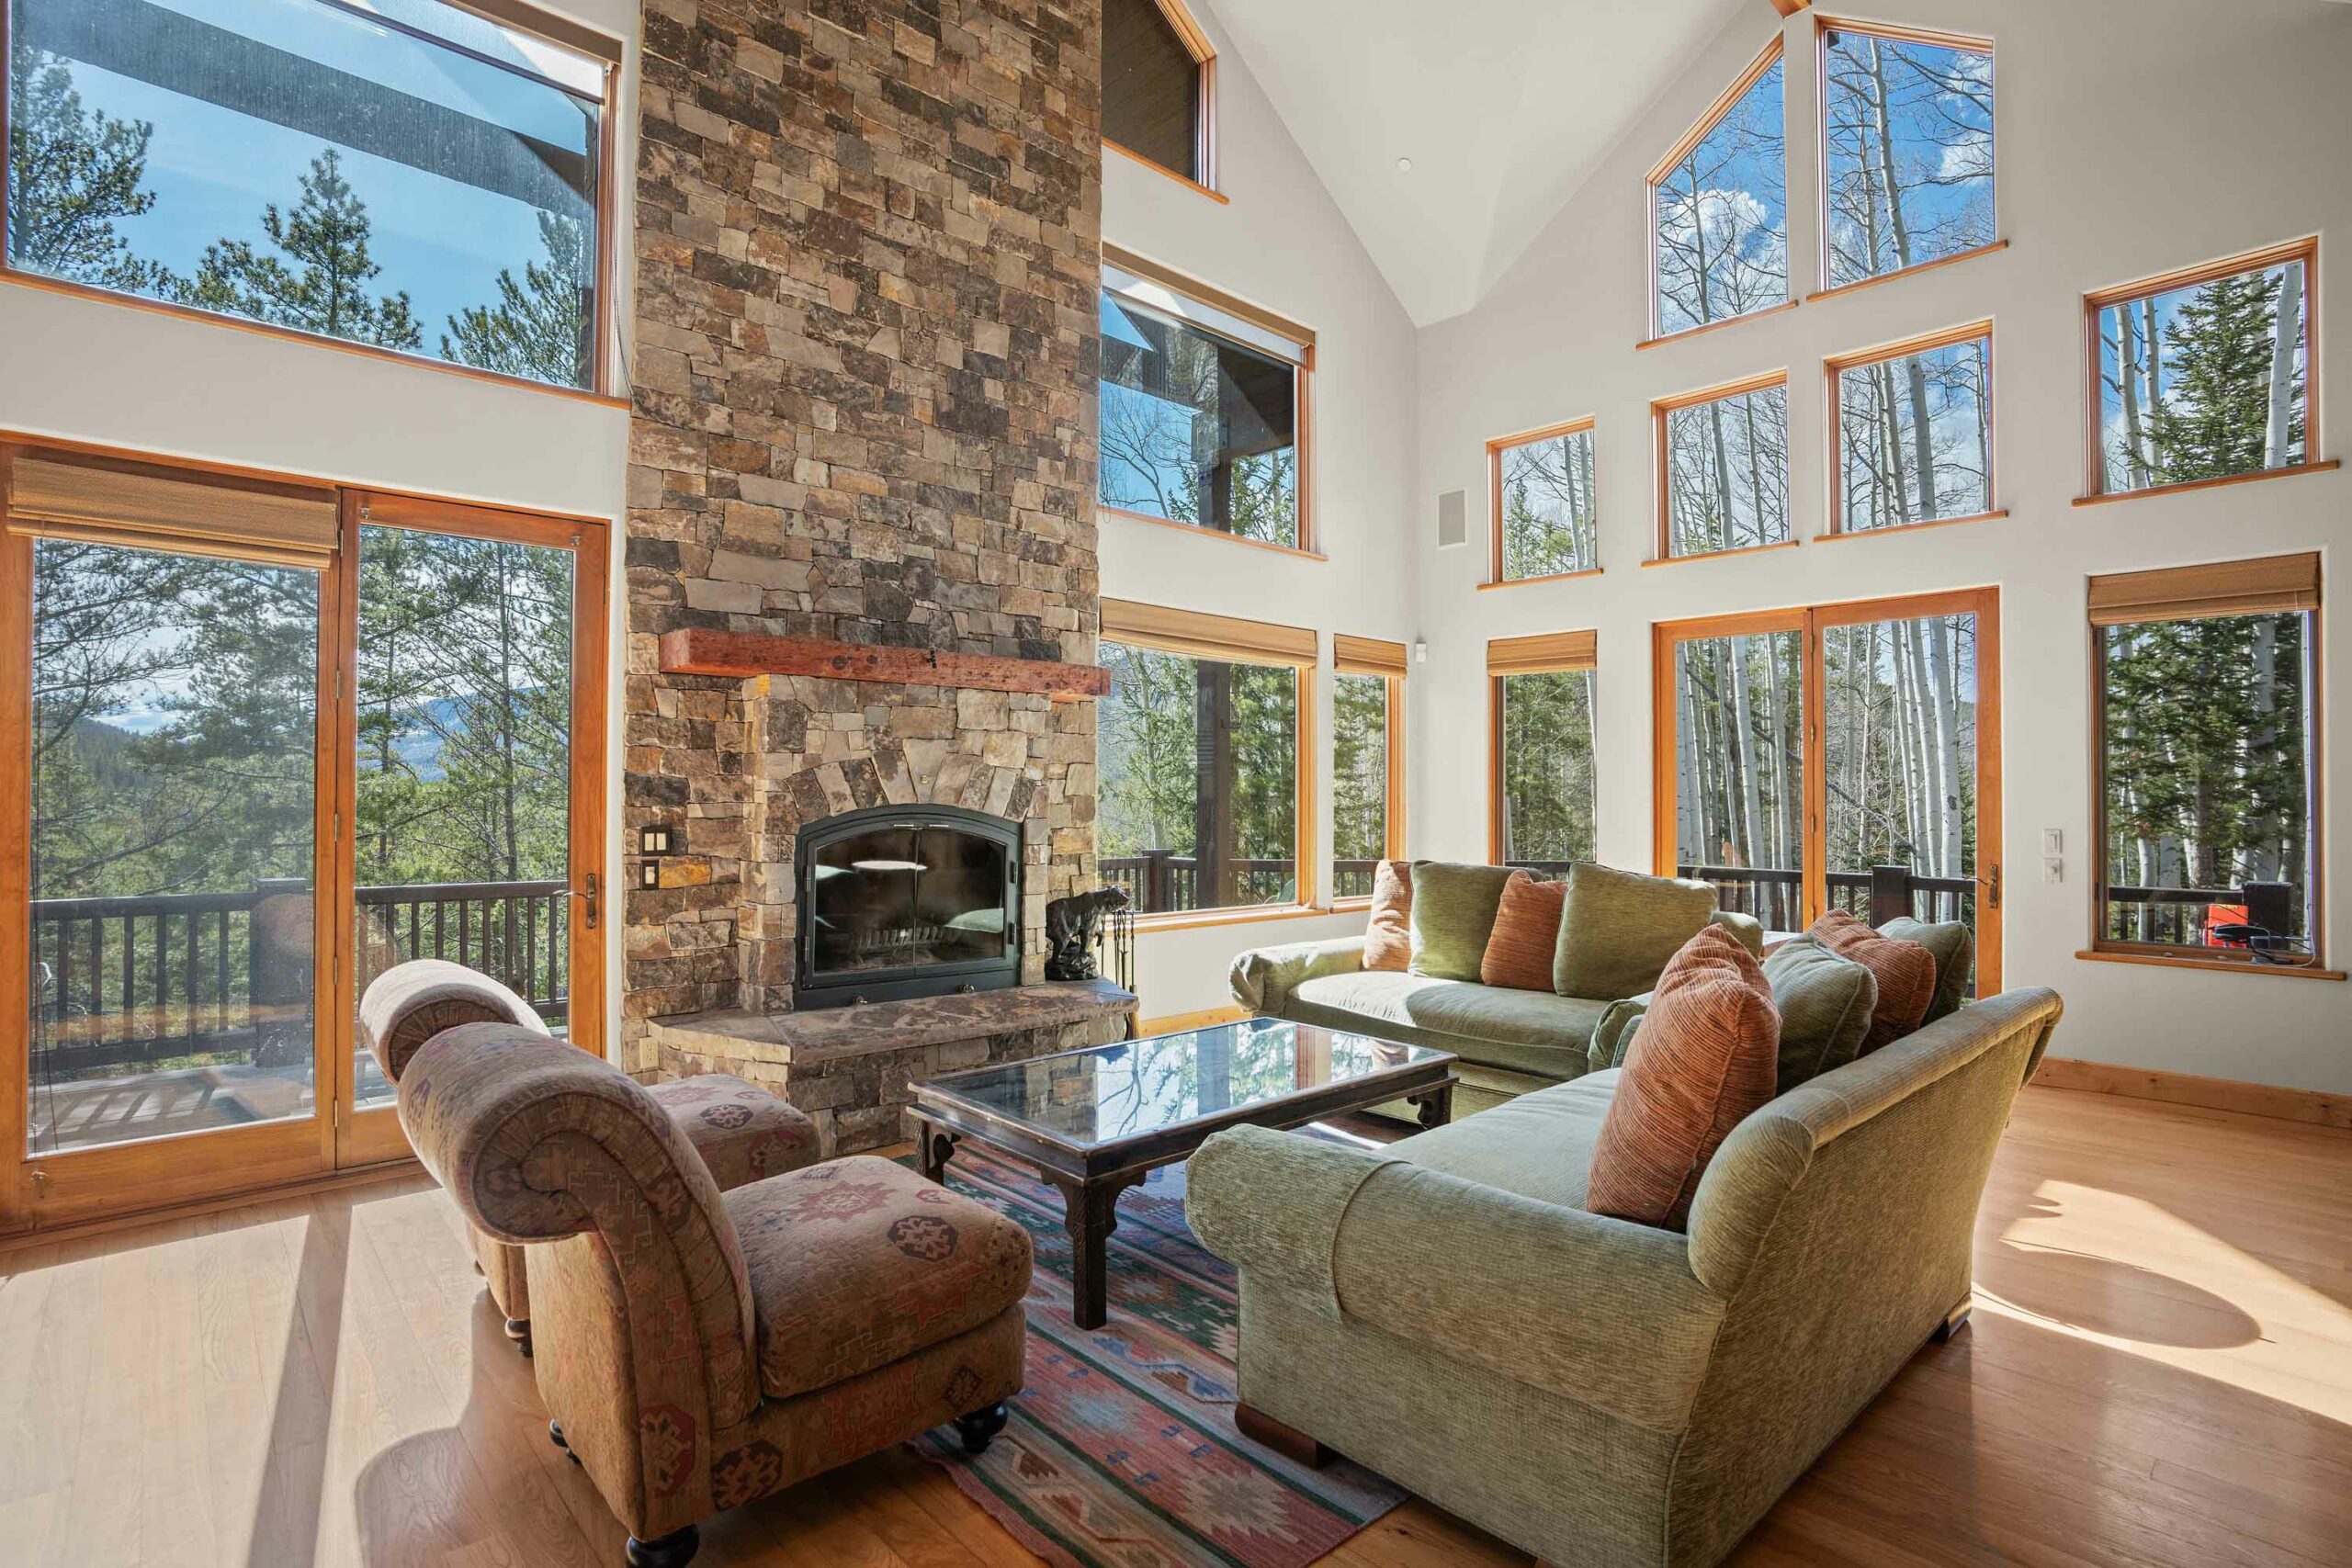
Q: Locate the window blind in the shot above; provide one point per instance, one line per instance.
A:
(2269, 583)
(108, 500)
(1366, 656)
(1202, 636)
(1547, 651)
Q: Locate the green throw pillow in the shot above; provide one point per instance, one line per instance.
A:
(1954, 947)
(1614, 1035)
(1825, 1002)
(1619, 928)
(1454, 913)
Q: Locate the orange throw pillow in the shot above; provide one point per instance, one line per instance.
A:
(1389, 940)
(1905, 972)
(1707, 1054)
(1526, 934)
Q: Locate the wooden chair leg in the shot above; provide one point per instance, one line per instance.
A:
(1288, 1441)
(673, 1550)
(1954, 1320)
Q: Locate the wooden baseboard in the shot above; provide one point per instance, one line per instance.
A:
(2307, 1106)
(1177, 1022)
(362, 1175)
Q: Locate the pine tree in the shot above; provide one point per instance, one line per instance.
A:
(2215, 421)
(73, 175)
(326, 239)
(539, 326)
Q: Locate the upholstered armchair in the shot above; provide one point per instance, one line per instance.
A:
(742, 1131)
(700, 1349)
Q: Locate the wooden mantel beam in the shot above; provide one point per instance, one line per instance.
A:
(695, 651)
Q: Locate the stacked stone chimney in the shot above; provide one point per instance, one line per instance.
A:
(863, 367)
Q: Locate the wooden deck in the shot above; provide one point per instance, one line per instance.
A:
(2159, 1372)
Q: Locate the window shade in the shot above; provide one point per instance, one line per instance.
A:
(137, 503)
(1534, 655)
(1205, 636)
(1171, 293)
(1366, 656)
(2189, 592)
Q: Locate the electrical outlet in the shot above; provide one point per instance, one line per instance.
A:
(2053, 842)
(2053, 868)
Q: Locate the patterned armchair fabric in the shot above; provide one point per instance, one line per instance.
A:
(742, 1131)
(664, 1306)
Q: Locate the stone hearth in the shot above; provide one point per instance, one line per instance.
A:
(863, 376)
(850, 1067)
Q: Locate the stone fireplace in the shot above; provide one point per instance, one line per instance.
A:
(861, 539)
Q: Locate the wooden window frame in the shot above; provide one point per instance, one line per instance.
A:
(76, 1185)
(1893, 32)
(1662, 519)
(1496, 450)
(1547, 653)
(2101, 946)
(606, 387)
(1370, 656)
(1835, 367)
(1196, 43)
(1773, 54)
(1309, 544)
(1196, 635)
(1810, 623)
(2306, 250)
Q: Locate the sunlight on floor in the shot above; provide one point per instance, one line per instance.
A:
(2139, 1279)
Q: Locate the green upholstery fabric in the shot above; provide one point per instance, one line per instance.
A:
(1747, 927)
(1454, 913)
(1264, 978)
(1954, 947)
(1599, 1393)
(1825, 1002)
(1614, 1035)
(1619, 928)
(1528, 1031)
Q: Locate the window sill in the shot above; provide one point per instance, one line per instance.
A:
(1199, 532)
(1187, 181)
(2225, 965)
(1355, 906)
(1719, 555)
(1861, 283)
(1196, 920)
(1912, 528)
(290, 334)
(1706, 327)
(2103, 497)
(1548, 577)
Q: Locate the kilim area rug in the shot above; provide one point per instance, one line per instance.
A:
(1121, 1452)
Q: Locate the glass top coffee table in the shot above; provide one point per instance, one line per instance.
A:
(1096, 1122)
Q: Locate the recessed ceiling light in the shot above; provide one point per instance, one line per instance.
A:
(1404, 165)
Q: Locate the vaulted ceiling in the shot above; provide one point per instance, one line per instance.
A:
(1503, 105)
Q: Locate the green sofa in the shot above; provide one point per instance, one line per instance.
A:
(1595, 1392)
(1510, 1041)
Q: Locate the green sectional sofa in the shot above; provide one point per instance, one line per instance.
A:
(1510, 1041)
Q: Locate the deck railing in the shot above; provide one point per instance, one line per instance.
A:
(1159, 882)
(214, 976)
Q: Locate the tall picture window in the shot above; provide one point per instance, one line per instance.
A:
(414, 177)
(1205, 749)
(2206, 375)
(1906, 139)
(1367, 760)
(1204, 408)
(1544, 813)
(1545, 515)
(1723, 468)
(2208, 760)
(1719, 208)
(1911, 426)
(1159, 88)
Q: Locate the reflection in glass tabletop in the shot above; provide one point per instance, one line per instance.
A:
(1112, 1093)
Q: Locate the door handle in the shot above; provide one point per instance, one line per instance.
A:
(1992, 885)
(587, 899)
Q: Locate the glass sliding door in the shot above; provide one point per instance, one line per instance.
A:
(467, 699)
(1843, 756)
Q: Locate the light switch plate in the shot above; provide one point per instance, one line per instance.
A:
(2053, 868)
(2053, 842)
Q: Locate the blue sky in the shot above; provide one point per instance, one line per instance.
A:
(1942, 144)
(1742, 190)
(212, 170)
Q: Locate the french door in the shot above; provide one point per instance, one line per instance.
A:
(1840, 756)
(261, 740)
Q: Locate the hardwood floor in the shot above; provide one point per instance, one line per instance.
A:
(2159, 1372)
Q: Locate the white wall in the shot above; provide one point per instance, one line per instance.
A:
(2134, 136)
(1281, 244)
(93, 371)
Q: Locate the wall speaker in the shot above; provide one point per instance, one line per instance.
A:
(1453, 519)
